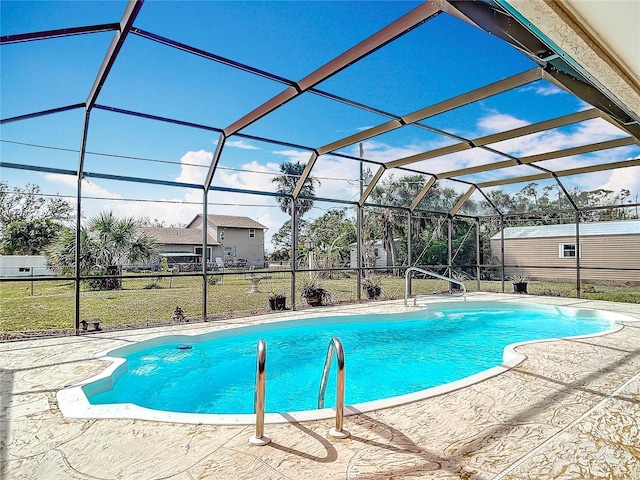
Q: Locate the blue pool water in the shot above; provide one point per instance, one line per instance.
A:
(385, 356)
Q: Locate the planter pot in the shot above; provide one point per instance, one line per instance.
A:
(279, 303)
(520, 287)
(314, 300)
(374, 293)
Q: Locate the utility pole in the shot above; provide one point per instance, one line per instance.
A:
(361, 172)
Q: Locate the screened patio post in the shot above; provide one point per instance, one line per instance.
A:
(294, 251)
(449, 251)
(502, 250)
(409, 247)
(78, 243)
(359, 252)
(578, 253)
(205, 229)
(478, 253)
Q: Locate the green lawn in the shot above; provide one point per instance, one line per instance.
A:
(51, 306)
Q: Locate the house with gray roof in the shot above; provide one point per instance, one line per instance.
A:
(231, 240)
(551, 252)
(240, 240)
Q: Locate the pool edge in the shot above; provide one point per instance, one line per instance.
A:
(73, 402)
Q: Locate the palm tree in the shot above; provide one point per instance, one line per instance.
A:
(385, 220)
(119, 241)
(287, 180)
(107, 242)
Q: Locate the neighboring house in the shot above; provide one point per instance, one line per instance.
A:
(23, 266)
(374, 250)
(233, 240)
(181, 245)
(604, 246)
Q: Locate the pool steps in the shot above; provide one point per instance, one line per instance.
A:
(335, 345)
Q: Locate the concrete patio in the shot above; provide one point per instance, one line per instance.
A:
(571, 410)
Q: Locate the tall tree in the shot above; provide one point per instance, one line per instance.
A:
(286, 181)
(28, 237)
(29, 221)
(388, 223)
(332, 234)
(282, 239)
(19, 204)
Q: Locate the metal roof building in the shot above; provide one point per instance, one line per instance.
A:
(624, 227)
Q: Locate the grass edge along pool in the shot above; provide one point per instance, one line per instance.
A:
(74, 403)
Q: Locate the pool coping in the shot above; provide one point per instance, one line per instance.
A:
(73, 402)
(569, 410)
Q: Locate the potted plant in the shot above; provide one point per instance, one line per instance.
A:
(372, 284)
(276, 295)
(314, 292)
(519, 283)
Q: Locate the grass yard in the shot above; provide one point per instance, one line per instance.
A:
(51, 306)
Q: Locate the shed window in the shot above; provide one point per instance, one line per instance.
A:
(252, 233)
(568, 250)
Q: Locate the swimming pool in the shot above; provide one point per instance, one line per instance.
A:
(389, 360)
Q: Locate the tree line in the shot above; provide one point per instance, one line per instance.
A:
(333, 232)
(32, 223)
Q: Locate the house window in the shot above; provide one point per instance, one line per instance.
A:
(228, 251)
(24, 269)
(222, 235)
(198, 251)
(252, 233)
(568, 250)
(376, 252)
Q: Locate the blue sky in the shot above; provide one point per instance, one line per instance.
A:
(438, 60)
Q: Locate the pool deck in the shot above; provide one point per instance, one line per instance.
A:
(571, 410)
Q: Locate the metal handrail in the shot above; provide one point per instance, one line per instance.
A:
(259, 395)
(334, 345)
(433, 274)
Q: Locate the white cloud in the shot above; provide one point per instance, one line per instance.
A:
(546, 90)
(543, 89)
(69, 180)
(89, 189)
(294, 155)
(194, 166)
(240, 144)
(499, 122)
(339, 178)
(628, 178)
(169, 210)
(591, 131)
(249, 176)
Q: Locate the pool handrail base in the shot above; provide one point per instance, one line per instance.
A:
(334, 345)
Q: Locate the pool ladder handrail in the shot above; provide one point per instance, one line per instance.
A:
(260, 438)
(334, 345)
(433, 274)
